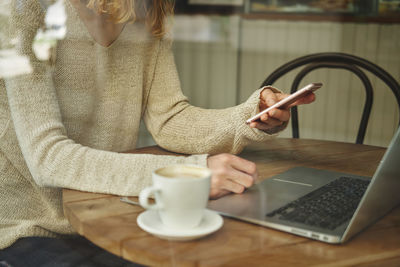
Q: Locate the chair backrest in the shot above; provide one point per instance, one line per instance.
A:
(334, 60)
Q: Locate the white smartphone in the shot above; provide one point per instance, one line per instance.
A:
(288, 100)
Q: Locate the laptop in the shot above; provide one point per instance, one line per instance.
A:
(319, 204)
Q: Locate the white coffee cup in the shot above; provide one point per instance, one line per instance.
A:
(181, 195)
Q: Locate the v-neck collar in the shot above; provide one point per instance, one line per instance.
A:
(85, 27)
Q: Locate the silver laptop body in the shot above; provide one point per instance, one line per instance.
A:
(381, 196)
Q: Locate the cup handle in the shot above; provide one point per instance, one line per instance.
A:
(144, 198)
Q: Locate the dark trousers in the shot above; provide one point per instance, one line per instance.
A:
(68, 251)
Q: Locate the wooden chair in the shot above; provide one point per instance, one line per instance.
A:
(334, 60)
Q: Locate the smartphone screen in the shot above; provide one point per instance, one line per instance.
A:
(288, 100)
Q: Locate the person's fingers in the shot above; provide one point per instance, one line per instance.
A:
(281, 96)
(218, 192)
(307, 99)
(241, 177)
(234, 175)
(280, 117)
(262, 105)
(275, 122)
(263, 126)
(230, 173)
(227, 184)
(269, 97)
(241, 164)
(271, 122)
(277, 114)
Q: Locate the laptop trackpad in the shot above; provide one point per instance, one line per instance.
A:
(272, 193)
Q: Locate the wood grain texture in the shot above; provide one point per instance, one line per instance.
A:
(111, 224)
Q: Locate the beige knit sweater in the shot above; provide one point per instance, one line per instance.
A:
(62, 125)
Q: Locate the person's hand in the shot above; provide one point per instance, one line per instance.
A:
(230, 173)
(276, 118)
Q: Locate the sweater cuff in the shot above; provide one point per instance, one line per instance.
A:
(200, 159)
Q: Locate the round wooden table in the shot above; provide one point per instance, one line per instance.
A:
(111, 224)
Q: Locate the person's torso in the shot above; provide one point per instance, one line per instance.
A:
(102, 90)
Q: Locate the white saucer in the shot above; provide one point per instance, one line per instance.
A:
(150, 222)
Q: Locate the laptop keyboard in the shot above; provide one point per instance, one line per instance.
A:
(327, 207)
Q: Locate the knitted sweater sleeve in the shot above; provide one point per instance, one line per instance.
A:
(53, 158)
(178, 126)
